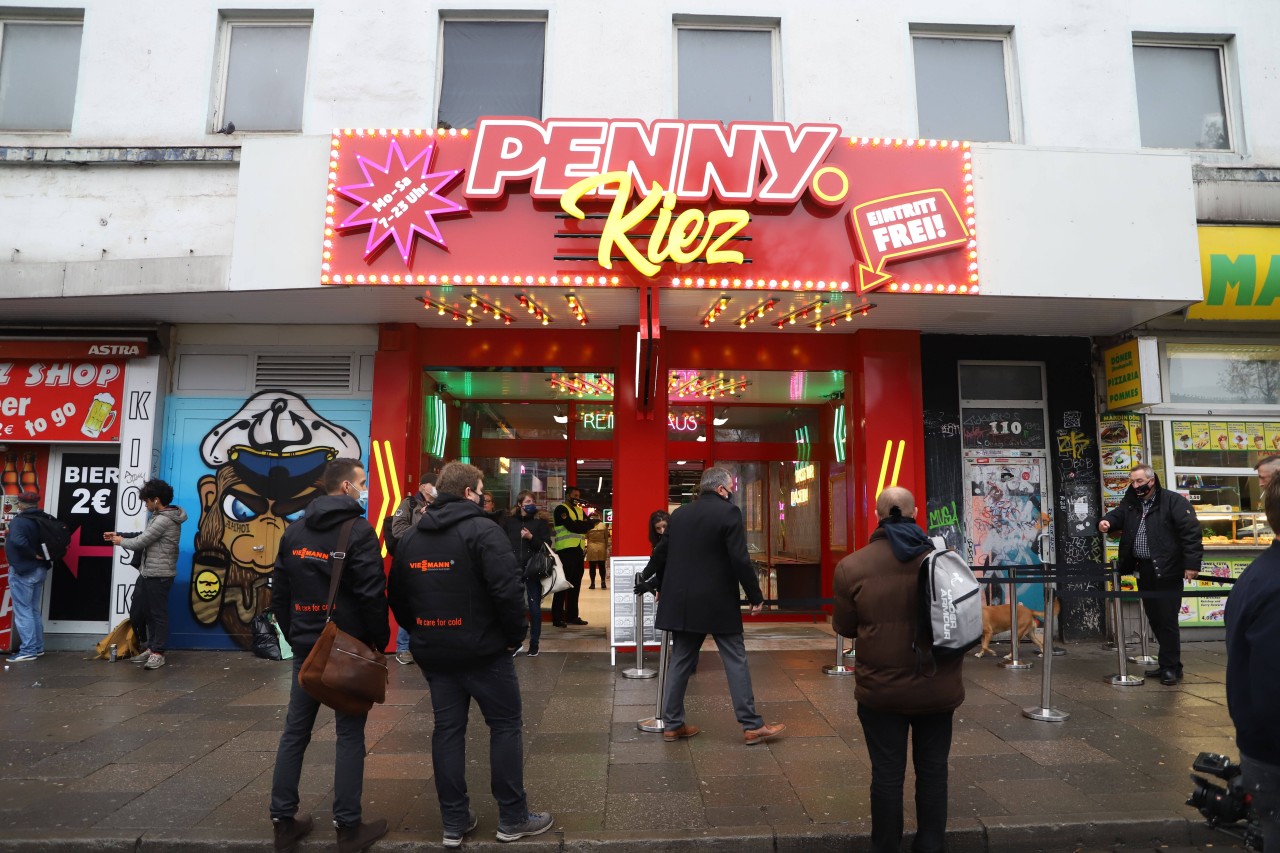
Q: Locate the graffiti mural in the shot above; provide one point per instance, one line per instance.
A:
(252, 472)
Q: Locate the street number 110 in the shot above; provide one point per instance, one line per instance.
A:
(1006, 428)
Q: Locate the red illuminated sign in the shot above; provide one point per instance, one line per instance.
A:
(62, 401)
(522, 202)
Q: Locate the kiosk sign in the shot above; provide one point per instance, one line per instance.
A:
(609, 202)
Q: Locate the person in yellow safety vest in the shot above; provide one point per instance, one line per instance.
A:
(569, 525)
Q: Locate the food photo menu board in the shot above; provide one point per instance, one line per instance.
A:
(1236, 437)
(1120, 446)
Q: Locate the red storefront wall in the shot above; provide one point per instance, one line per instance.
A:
(882, 395)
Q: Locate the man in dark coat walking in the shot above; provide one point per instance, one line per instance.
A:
(698, 567)
(1160, 543)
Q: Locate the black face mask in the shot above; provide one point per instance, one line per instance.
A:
(530, 510)
(1143, 490)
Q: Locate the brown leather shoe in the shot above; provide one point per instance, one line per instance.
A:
(760, 735)
(673, 735)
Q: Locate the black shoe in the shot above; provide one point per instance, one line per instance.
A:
(354, 839)
(560, 624)
(604, 586)
(1170, 677)
(593, 586)
(1155, 673)
(533, 652)
(576, 621)
(289, 831)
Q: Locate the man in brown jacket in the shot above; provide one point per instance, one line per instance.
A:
(900, 687)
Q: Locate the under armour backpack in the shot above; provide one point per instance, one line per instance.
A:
(950, 608)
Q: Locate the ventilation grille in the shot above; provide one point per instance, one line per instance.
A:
(332, 373)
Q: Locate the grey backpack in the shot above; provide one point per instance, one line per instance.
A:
(950, 607)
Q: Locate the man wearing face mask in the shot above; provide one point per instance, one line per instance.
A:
(454, 582)
(299, 595)
(1160, 543)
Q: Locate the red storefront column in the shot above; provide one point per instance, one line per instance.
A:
(886, 422)
(640, 457)
(397, 381)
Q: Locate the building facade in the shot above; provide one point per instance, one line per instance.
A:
(981, 200)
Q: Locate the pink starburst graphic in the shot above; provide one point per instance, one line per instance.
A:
(399, 199)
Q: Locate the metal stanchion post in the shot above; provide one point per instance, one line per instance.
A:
(1122, 678)
(1046, 713)
(639, 670)
(1012, 661)
(838, 668)
(655, 723)
(1145, 658)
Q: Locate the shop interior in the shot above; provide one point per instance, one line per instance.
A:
(541, 430)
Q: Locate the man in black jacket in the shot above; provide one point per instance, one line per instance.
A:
(1253, 682)
(299, 601)
(1160, 543)
(698, 566)
(455, 584)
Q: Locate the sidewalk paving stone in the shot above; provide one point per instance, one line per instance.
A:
(104, 757)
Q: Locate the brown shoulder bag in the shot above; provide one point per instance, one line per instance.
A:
(341, 671)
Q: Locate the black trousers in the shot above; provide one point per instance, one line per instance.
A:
(149, 613)
(886, 734)
(1162, 613)
(564, 605)
(596, 566)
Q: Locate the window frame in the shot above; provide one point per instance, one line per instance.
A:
(50, 17)
(1012, 91)
(222, 67)
(1230, 102)
(773, 26)
(1174, 410)
(475, 17)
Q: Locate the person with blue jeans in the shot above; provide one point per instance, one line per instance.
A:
(408, 514)
(1253, 682)
(454, 582)
(528, 535)
(300, 603)
(27, 572)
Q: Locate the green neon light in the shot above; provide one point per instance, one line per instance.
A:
(839, 435)
(434, 412)
(465, 455)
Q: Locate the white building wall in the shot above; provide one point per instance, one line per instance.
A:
(147, 77)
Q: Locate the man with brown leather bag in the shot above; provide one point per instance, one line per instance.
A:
(300, 603)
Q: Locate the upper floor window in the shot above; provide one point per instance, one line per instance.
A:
(264, 75)
(490, 68)
(39, 64)
(963, 88)
(1182, 101)
(726, 73)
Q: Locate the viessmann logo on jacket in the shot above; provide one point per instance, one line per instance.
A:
(432, 565)
(305, 553)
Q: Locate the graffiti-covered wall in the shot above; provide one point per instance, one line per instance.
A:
(244, 468)
(1071, 448)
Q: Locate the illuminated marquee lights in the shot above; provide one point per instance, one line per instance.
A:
(757, 313)
(583, 384)
(715, 310)
(575, 308)
(848, 314)
(469, 317)
(814, 307)
(825, 185)
(539, 313)
(691, 384)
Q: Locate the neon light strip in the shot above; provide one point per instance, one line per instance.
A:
(847, 314)
(801, 313)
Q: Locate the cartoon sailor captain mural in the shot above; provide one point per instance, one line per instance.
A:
(266, 460)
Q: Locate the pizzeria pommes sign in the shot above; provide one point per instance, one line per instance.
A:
(622, 202)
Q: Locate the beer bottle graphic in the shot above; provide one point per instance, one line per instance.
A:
(30, 482)
(10, 479)
(102, 414)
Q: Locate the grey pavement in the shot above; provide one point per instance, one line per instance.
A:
(98, 756)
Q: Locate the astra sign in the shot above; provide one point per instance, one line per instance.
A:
(577, 202)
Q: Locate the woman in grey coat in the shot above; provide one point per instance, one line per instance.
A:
(158, 545)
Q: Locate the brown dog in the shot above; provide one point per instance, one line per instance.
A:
(995, 620)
